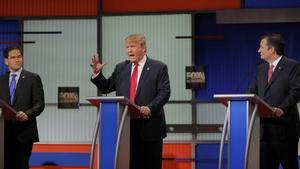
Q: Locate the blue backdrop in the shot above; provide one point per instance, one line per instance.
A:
(272, 3)
(231, 62)
(6, 39)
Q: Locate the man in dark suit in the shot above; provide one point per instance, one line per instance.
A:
(28, 100)
(146, 82)
(278, 83)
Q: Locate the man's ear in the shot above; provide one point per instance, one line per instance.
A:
(273, 49)
(6, 61)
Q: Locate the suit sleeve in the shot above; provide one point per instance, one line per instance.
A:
(37, 98)
(294, 90)
(103, 84)
(163, 90)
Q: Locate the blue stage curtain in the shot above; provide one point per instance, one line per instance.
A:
(271, 4)
(6, 38)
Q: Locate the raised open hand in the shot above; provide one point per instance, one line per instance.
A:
(96, 65)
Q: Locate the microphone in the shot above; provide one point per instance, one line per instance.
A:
(111, 85)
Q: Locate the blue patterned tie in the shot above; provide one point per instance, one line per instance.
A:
(12, 87)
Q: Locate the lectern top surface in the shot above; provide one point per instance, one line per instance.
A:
(264, 108)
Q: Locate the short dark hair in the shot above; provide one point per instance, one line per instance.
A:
(10, 48)
(276, 41)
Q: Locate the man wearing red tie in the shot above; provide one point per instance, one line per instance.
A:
(278, 83)
(145, 82)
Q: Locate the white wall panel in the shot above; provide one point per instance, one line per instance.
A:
(178, 113)
(210, 113)
(179, 137)
(67, 125)
(63, 60)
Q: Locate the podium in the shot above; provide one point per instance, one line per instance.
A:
(113, 127)
(6, 112)
(243, 122)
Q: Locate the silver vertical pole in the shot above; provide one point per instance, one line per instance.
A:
(124, 114)
(249, 136)
(224, 132)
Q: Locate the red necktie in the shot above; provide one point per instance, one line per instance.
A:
(270, 72)
(133, 82)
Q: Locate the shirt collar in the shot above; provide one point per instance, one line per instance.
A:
(275, 63)
(18, 73)
(142, 61)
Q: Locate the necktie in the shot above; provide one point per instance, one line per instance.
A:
(12, 87)
(270, 72)
(133, 82)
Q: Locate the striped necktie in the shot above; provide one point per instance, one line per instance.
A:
(270, 72)
(12, 87)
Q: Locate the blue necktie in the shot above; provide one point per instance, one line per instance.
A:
(12, 87)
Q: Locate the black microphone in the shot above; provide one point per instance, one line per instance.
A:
(126, 62)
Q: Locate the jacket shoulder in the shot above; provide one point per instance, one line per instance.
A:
(156, 62)
(291, 61)
(28, 73)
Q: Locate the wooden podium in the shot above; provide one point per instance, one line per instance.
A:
(243, 122)
(6, 112)
(113, 127)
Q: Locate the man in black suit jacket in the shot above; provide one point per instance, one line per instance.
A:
(28, 101)
(151, 94)
(278, 83)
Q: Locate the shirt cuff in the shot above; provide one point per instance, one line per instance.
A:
(95, 75)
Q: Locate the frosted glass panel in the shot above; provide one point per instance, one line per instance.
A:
(62, 59)
(179, 137)
(210, 113)
(178, 113)
(67, 125)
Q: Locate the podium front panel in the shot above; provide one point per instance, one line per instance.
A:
(237, 133)
(108, 133)
(113, 128)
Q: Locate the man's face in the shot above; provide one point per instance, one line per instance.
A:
(135, 51)
(265, 51)
(14, 61)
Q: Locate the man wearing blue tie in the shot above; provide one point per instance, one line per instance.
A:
(146, 82)
(23, 90)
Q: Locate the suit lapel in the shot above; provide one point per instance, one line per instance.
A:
(144, 75)
(265, 77)
(276, 72)
(127, 79)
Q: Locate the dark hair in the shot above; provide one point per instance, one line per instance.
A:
(10, 48)
(276, 41)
